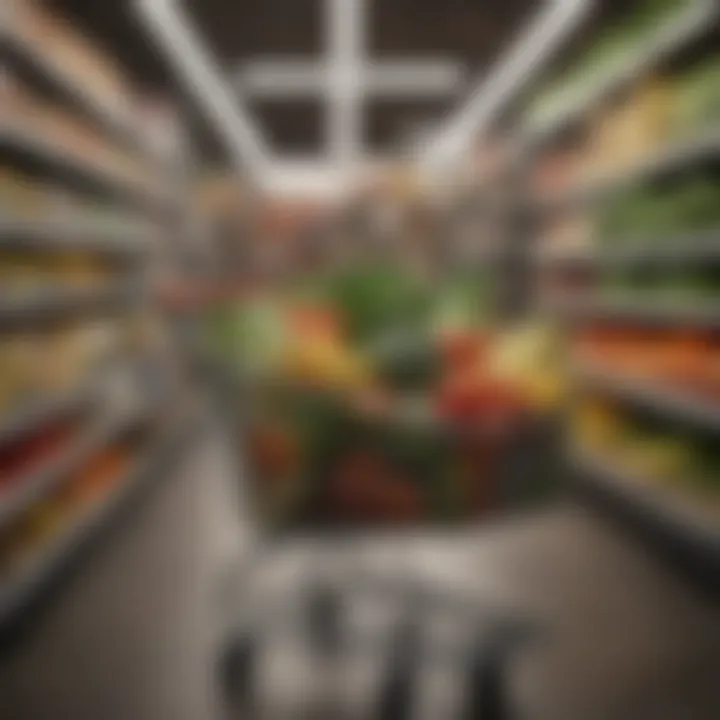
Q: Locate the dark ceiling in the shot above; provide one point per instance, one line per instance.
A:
(472, 31)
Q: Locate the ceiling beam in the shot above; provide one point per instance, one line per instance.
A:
(536, 44)
(201, 74)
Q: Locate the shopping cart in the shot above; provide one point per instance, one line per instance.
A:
(336, 486)
(358, 644)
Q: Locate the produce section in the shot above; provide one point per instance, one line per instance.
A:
(648, 448)
(627, 253)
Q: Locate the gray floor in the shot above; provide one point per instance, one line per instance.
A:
(133, 634)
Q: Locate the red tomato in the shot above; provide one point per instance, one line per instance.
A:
(462, 349)
(365, 488)
(467, 398)
(274, 450)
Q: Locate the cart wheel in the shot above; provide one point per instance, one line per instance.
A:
(324, 618)
(488, 696)
(237, 672)
(398, 687)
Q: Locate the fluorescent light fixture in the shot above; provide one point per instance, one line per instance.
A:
(553, 24)
(196, 66)
(308, 179)
(423, 77)
(345, 31)
(344, 77)
(283, 78)
(295, 78)
(313, 179)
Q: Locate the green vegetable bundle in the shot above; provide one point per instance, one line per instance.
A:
(375, 299)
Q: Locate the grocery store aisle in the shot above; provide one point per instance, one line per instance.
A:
(133, 635)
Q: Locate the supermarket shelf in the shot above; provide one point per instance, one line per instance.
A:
(685, 531)
(48, 305)
(30, 150)
(72, 234)
(21, 588)
(41, 413)
(700, 412)
(703, 147)
(192, 295)
(670, 37)
(28, 489)
(662, 312)
(689, 250)
(23, 52)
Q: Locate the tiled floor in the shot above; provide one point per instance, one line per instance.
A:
(133, 635)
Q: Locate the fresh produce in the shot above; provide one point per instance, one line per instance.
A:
(684, 359)
(366, 487)
(274, 449)
(369, 396)
(324, 361)
(376, 299)
(649, 450)
(406, 361)
(462, 349)
(461, 304)
(317, 352)
(476, 395)
(528, 358)
(251, 333)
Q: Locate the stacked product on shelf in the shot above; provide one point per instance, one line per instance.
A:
(84, 384)
(34, 120)
(54, 521)
(636, 45)
(56, 46)
(54, 363)
(627, 188)
(682, 360)
(651, 450)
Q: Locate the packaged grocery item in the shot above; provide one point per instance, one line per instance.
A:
(32, 452)
(697, 98)
(631, 131)
(20, 369)
(651, 452)
(97, 477)
(683, 359)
